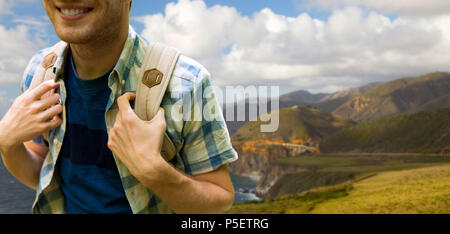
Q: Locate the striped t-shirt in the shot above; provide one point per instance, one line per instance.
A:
(90, 180)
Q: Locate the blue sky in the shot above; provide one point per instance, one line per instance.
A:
(33, 9)
(314, 45)
(143, 7)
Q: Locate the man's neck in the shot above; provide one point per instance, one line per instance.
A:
(95, 59)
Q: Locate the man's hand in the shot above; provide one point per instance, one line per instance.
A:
(30, 116)
(137, 143)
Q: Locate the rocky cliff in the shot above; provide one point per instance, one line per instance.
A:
(257, 159)
(300, 129)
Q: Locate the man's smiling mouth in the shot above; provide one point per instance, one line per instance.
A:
(73, 11)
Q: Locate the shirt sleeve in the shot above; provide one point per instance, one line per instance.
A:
(207, 144)
(26, 81)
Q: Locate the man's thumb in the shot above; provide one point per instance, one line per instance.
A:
(159, 117)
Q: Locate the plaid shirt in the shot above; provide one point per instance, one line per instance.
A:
(203, 145)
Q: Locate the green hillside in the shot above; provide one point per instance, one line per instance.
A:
(425, 190)
(294, 123)
(407, 95)
(330, 169)
(422, 190)
(427, 132)
(392, 86)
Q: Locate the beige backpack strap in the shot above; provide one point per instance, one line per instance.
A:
(45, 71)
(154, 76)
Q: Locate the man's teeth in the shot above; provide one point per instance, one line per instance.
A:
(73, 12)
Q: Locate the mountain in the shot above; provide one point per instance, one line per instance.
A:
(300, 98)
(350, 92)
(234, 123)
(294, 123)
(368, 102)
(300, 129)
(426, 131)
(407, 95)
(330, 102)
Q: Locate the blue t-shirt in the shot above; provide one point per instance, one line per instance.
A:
(90, 179)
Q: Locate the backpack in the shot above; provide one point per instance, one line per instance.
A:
(153, 79)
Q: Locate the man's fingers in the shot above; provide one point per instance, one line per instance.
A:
(118, 120)
(49, 101)
(124, 101)
(51, 112)
(124, 104)
(160, 114)
(40, 90)
(159, 117)
(53, 123)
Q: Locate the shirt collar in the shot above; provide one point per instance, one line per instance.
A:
(127, 60)
(129, 56)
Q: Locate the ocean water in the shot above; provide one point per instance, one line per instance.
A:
(15, 198)
(244, 188)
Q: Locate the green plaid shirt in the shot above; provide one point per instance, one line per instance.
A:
(203, 145)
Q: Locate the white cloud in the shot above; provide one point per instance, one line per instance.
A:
(16, 49)
(5, 7)
(402, 7)
(32, 21)
(21, 38)
(352, 47)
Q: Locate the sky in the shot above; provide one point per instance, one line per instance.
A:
(315, 45)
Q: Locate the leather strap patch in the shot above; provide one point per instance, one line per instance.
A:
(49, 60)
(152, 77)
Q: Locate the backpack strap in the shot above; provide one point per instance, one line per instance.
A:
(45, 71)
(154, 77)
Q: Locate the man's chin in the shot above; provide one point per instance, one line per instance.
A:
(75, 37)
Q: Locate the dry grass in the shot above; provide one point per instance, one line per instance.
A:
(424, 190)
(412, 191)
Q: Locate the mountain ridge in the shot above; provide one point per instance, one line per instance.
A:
(399, 133)
(405, 95)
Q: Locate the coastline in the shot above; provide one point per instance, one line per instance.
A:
(245, 187)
